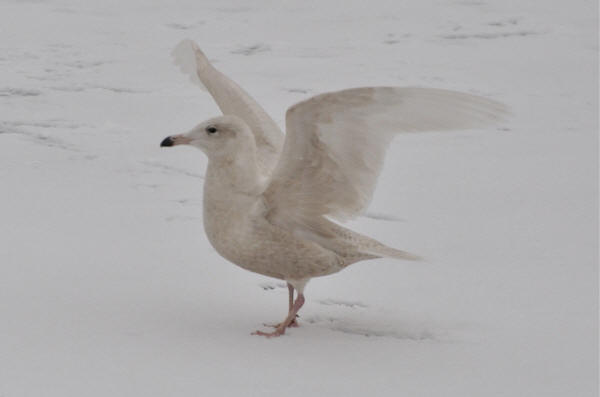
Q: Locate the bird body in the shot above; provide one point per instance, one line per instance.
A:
(238, 229)
(236, 219)
(269, 203)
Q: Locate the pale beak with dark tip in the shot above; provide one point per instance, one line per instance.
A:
(175, 140)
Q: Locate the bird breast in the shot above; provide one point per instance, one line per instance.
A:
(238, 230)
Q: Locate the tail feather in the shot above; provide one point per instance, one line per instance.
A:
(347, 240)
(389, 252)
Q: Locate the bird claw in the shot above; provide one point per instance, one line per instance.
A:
(277, 332)
(293, 324)
(290, 320)
(279, 329)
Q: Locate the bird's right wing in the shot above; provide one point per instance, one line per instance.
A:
(232, 100)
(336, 142)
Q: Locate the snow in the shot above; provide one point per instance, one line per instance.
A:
(108, 285)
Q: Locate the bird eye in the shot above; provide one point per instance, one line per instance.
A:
(211, 130)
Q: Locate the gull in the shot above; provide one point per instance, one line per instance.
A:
(272, 202)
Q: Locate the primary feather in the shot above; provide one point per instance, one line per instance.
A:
(232, 100)
(336, 142)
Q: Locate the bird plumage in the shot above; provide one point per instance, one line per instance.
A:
(269, 203)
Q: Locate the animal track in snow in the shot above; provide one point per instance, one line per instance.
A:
(489, 36)
(270, 285)
(24, 128)
(507, 22)
(336, 302)
(168, 169)
(350, 327)
(184, 26)
(18, 92)
(252, 49)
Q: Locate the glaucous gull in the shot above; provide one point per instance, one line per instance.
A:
(270, 201)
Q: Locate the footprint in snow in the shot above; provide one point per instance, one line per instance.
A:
(270, 285)
(382, 331)
(335, 302)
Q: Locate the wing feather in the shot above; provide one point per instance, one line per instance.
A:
(232, 100)
(336, 142)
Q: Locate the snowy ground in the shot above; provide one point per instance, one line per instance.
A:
(108, 286)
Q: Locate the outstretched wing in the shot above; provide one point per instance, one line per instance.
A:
(232, 99)
(336, 142)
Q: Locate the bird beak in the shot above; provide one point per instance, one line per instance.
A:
(175, 140)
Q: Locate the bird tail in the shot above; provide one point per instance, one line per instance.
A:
(356, 242)
(384, 251)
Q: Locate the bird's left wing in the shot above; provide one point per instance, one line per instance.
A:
(232, 100)
(336, 142)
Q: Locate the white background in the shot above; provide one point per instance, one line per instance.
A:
(108, 286)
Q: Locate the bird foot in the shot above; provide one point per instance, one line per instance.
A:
(290, 320)
(293, 324)
(278, 332)
(279, 329)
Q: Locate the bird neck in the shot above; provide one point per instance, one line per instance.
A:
(234, 173)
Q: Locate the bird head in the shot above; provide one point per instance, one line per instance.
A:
(219, 136)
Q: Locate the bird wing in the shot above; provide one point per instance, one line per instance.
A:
(232, 100)
(336, 142)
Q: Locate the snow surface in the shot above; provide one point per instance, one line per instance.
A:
(108, 286)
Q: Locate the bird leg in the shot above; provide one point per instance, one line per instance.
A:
(294, 323)
(291, 317)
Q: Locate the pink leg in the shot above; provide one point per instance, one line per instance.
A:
(290, 296)
(294, 323)
(291, 317)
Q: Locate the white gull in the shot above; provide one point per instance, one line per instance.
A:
(269, 200)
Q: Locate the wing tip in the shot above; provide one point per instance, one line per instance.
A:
(190, 60)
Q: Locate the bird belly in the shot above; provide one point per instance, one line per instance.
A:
(258, 246)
